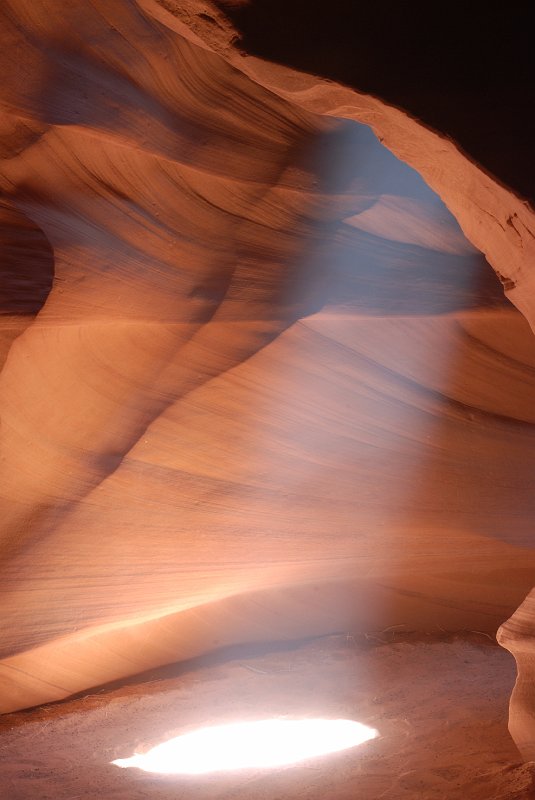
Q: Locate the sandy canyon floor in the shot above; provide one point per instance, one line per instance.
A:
(439, 704)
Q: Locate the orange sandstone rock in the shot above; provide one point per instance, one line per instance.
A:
(274, 390)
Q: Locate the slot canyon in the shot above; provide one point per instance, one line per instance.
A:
(267, 397)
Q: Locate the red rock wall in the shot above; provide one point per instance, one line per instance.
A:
(273, 391)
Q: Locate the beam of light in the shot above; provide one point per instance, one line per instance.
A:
(260, 744)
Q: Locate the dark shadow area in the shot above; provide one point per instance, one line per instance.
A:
(464, 70)
(26, 263)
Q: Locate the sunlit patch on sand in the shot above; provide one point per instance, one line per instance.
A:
(260, 744)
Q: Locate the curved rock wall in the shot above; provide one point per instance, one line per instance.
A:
(273, 390)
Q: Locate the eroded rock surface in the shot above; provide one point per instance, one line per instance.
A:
(517, 634)
(273, 389)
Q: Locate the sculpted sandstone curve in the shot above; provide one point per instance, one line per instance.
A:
(274, 389)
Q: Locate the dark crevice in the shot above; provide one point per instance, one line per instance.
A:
(466, 71)
(26, 263)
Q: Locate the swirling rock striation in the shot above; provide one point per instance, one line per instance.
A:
(258, 383)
